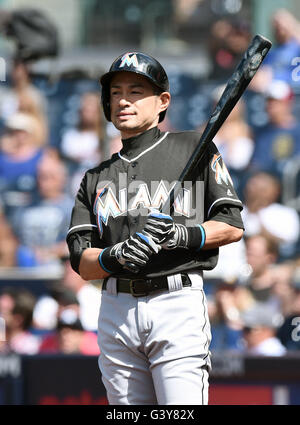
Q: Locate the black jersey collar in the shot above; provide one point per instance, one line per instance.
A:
(137, 145)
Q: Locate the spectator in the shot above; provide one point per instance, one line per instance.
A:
(277, 141)
(8, 243)
(19, 158)
(227, 42)
(225, 269)
(262, 254)
(83, 143)
(234, 139)
(42, 227)
(23, 96)
(70, 337)
(83, 146)
(283, 287)
(16, 308)
(224, 317)
(289, 332)
(264, 214)
(87, 294)
(50, 305)
(29, 105)
(259, 331)
(286, 30)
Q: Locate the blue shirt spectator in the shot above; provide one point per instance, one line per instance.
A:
(275, 146)
(286, 46)
(279, 140)
(42, 227)
(280, 60)
(19, 158)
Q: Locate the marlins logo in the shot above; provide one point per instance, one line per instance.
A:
(129, 59)
(220, 170)
(108, 204)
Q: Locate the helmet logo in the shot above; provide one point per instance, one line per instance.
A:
(129, 60)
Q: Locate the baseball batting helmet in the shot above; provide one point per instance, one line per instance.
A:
(138, 63)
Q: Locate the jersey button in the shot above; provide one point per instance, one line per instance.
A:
(134, 164)
(133, 177)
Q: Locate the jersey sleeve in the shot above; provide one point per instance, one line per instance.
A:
(228, 214)
(219, 189)
(82, 218)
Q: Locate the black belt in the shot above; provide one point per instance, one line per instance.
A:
(143, 287)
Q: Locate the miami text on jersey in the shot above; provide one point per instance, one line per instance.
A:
(106, 203)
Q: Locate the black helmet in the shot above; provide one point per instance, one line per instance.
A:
(138, 63)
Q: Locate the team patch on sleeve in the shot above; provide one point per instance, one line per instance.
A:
(219, 168)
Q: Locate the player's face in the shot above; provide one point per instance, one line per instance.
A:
(134, 106)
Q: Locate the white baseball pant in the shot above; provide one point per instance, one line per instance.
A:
(155, 349)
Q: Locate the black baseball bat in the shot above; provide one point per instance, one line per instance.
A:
(236, 85)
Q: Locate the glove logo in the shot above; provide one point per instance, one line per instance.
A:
(129, 60)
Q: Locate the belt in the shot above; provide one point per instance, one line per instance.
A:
(143, 287)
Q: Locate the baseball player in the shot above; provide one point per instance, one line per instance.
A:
(154, 332)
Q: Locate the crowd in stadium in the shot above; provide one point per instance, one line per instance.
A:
(254, 306)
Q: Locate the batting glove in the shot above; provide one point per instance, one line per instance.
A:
(160, 227)
(132, 254)
(170, 235)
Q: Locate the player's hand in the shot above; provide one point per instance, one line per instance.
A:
(179, 239)
(160, 227)
(136, 250)
(170, 235)
(132, 254)
(165, 232)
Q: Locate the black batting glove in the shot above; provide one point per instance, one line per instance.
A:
(170, 235)
(160, 227)
(132, 254)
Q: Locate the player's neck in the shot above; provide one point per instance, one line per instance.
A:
(129, 134)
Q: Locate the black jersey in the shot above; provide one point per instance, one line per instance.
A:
(114, 198)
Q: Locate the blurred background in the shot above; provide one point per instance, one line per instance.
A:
(52, 130)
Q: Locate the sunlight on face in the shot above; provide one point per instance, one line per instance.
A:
(134, 105)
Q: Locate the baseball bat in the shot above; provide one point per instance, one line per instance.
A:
(236, 85)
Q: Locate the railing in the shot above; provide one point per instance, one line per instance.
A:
(76, 379)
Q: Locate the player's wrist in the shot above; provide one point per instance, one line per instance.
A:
(108, 259)
(193, 237)
(196, 237)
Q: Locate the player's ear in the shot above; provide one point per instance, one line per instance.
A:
(165, 99)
